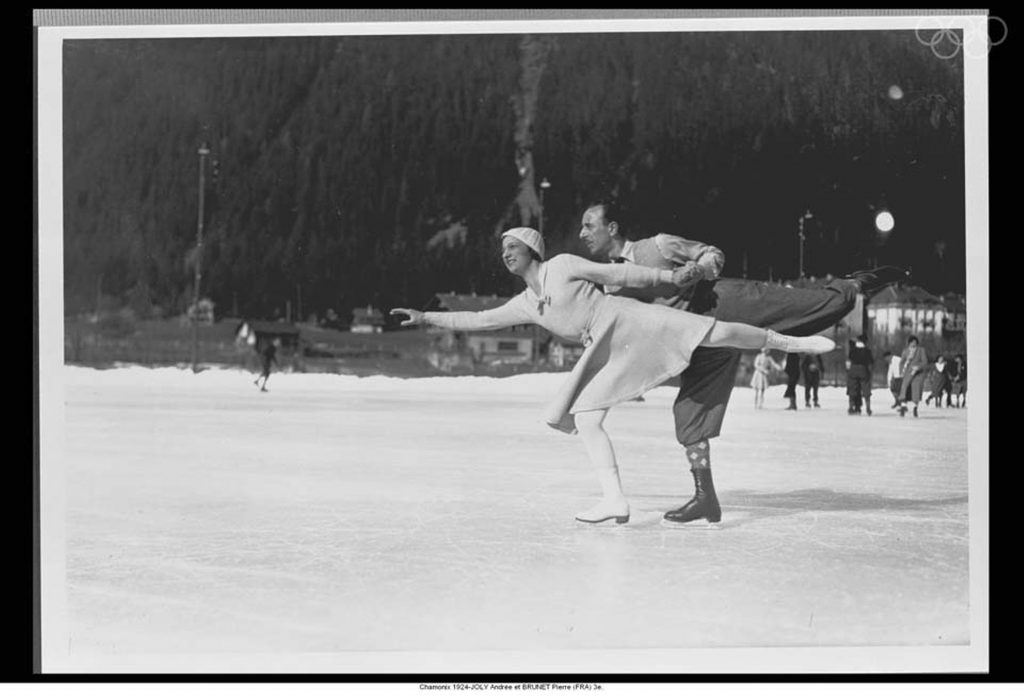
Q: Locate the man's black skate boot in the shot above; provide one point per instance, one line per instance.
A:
(704, 503)
(873, 281)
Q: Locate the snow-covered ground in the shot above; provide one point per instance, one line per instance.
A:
(206, 520)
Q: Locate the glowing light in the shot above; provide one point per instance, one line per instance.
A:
(884, 221)
(895, 92)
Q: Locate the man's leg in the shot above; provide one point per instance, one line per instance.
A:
(704, 503)
(705, 386)
(704, 390)
(783, 309)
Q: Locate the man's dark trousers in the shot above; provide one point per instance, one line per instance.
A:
(706, 384)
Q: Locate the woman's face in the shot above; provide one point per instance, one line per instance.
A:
(516, 255)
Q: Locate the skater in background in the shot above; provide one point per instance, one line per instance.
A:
(853, 401)
(707, 382)
(268, 356)
(958, 380)
(913, 364)
(893, 376)
(792, 370)
(812, 368)
(939, 383)
(859, 367)
(763, 365)
(630, 347)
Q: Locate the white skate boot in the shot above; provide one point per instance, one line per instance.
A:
(813, 344)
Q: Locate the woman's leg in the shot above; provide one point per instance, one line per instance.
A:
(735, 335)
(613, 504)
(746, 337)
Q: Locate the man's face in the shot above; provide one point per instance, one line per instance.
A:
(595, 232)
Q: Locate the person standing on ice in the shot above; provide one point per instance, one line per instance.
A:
(763, 365)
(939, 384)
(958, 379)
(811, 366)
(792, 370)
(859, 372)
(913, 363)
(707, 382)
(268, 356)
(630, 347)
(894, 376)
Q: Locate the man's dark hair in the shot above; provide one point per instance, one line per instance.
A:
(613, 210)
(913, 339)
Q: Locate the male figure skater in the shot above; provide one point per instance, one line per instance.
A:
(706, 384)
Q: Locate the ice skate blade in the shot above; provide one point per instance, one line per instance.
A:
(616, 519)
(699, 524)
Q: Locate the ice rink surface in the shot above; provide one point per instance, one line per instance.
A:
(337, 513)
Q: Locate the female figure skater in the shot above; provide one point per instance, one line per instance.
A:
(631, 347)
(763, 364)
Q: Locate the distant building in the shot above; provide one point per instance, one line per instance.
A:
(564, 353)
(954, 323)
(331, 320)
(202, 312)
(368, 320)
(912, 310)
(259, 333)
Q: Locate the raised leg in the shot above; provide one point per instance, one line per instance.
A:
(746, 337)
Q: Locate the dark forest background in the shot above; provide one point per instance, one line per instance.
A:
(346, 171)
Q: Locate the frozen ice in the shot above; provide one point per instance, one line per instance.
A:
(337, 513)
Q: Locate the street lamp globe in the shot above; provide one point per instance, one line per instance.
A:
(884, 221)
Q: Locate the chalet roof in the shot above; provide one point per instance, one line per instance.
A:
(367, 314)
(955, 302)
(272, 327)
(469, 302)
(906, 296)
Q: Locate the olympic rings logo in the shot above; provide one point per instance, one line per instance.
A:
(945, 42)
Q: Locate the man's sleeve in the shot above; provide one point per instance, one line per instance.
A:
(680, 251)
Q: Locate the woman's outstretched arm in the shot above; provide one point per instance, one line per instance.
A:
(508, 314)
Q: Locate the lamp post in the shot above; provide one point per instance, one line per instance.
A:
(807, 215)
(544, 184)
(204, 151)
